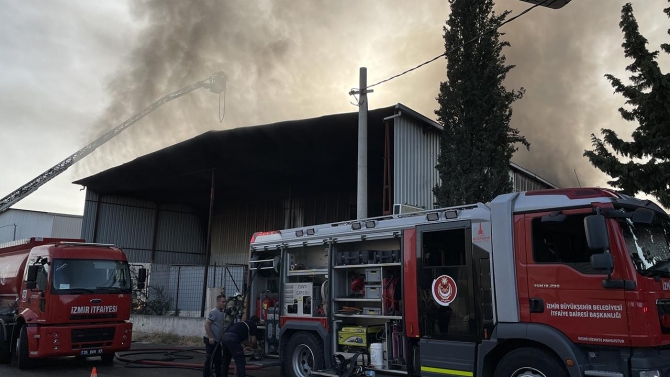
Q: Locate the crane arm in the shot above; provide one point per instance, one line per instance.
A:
(216, 83)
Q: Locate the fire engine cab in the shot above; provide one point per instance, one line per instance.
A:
(550, 283)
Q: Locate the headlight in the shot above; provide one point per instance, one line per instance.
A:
(650, 373)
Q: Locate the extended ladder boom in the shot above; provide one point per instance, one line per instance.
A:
(215, 83)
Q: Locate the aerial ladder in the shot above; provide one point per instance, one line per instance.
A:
(216, 83)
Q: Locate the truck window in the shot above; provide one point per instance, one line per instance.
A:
(562, 243)
(42, 279)
(444, 255)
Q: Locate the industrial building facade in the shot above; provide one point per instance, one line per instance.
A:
(17, 224)
(261, 178)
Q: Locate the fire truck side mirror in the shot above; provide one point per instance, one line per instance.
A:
(643, 216)
(602, 262)
(596, 233)
(32, 274)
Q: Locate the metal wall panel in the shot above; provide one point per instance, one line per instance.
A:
(129, 223)
(89, 216)
(127, 227)
(137, 256)
(523, 182)
(234, 224)
(66, 226)
(168, 257)
(38, 224)
(416, 148)
(180, 232)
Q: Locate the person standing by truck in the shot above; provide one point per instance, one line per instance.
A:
(214, 330)
(237, 334)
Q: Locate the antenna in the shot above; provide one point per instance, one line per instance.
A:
(580, 185)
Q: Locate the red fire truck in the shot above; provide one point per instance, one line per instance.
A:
(63, 297)
(547, 283)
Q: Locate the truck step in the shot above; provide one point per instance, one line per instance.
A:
(602, 373)
(324, 373)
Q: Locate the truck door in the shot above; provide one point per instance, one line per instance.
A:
(447, 320)
(563, 290)
(35, 297)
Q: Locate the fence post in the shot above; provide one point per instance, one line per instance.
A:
(176, 304)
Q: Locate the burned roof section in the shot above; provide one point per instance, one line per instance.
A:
(256, 161)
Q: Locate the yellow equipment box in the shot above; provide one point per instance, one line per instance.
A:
(359, 336)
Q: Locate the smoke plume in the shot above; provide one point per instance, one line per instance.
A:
(298, 59)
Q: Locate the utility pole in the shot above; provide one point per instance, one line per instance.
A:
(362, 187)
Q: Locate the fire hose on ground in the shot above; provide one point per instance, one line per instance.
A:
(172, 358)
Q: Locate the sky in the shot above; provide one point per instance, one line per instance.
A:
(72, 70)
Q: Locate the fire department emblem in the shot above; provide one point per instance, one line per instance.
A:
(444, 290)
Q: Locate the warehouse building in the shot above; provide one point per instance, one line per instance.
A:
(260, 178)
(17, 224)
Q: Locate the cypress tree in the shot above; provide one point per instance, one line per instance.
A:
(477, 143)
(649, 97)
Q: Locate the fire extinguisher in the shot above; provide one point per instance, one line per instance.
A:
(258, 308)
(267, 303)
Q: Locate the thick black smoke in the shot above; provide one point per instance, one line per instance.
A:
(298, 59)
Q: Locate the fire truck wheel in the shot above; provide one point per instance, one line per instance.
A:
(529, 362)
(107, 358)
(305, 354)
(23, 360)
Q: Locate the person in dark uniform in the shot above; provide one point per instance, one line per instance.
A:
(243, 332)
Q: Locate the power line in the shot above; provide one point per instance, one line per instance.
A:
(462, 45)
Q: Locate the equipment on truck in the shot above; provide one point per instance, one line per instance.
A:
(64, 297)
(557, 283)
(216, 83)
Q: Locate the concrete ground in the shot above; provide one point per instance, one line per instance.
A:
(71, 367)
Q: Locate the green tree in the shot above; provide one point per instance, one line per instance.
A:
(475, 108)
(649, 96)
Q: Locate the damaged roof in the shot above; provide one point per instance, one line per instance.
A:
(254, 161)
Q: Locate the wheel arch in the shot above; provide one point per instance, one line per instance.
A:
(510, 336)
(291, 328)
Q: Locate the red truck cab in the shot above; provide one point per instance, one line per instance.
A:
(64, 298)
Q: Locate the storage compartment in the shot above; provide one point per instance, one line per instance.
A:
(373, 291)
(355, 257)
(373, 275)
(372, 311)
(358, 336)
(299, 299)
(387, 256)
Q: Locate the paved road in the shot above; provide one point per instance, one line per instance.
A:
(71, 367)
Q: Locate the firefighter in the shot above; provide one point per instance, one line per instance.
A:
(231, 310)
(243, 332)
(214, 330)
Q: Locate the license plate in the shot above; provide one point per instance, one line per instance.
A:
(91, 352)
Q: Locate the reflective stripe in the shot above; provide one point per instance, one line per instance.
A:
(452, 372)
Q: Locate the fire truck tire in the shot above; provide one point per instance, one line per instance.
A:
(22, 351)
(529, 362)
(304, 348)
(108, 358)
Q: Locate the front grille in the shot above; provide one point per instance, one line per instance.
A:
(92, 335)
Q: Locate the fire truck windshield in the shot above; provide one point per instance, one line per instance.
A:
(648, 246)
(90, 275)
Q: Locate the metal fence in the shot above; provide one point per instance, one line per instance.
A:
(177, 290)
